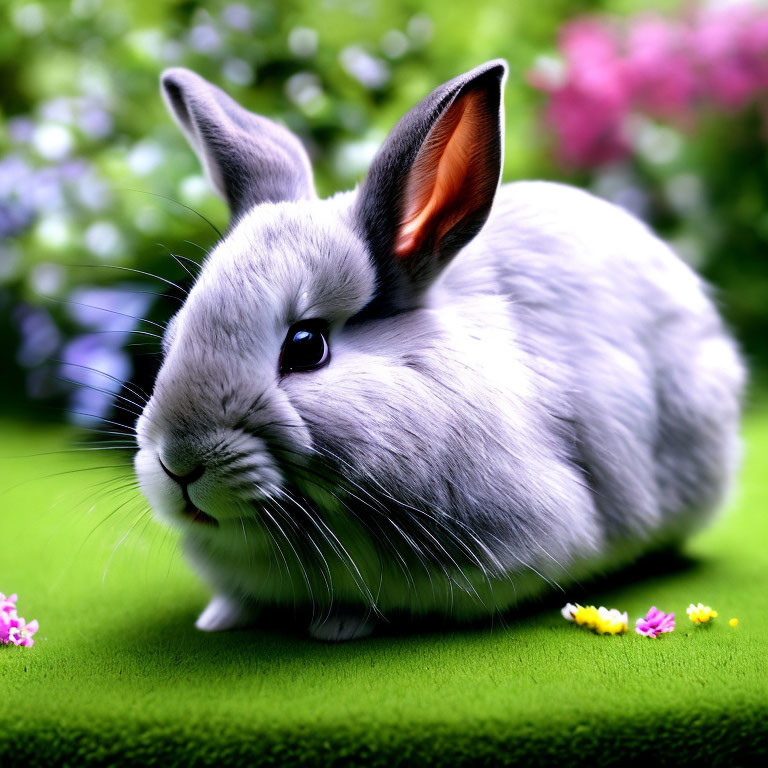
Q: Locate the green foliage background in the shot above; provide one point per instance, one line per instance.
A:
(295, 61)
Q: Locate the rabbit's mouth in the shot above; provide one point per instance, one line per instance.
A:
(199, 517)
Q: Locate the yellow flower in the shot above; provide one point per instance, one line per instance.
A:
(734, 622)
(586, 616)
(700, 614)
(604, 621)
(610, 621)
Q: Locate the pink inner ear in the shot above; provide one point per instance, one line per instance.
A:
(447, 179)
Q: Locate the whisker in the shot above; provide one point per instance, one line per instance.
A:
(206, 251)
(325, 486)
(410, 542)
(98, 418)
(143, 396)
(128, 330)
(170, 199)
(123, 289)
(103, 391)
(59, 474)
(128, 442)
(65, 450)
(70, 303)
(473, 557)
(143, 516)
(117, 406)
(104, 520)
(325, 568)
(135, 271)
(280, 550)
(178, 260)
(327, 532)
(299, 561)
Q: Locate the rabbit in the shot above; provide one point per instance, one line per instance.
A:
(432, 396)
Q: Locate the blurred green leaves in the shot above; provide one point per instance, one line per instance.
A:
(94, 173)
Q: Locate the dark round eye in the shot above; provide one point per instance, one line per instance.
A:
(305, 347)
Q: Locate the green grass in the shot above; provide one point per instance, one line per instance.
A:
(119, 673)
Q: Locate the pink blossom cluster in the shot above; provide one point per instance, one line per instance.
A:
(655, 623)
(14, 630)
(669, 69)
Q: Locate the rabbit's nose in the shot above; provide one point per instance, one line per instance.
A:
(186, 479)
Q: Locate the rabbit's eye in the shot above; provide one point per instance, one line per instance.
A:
(305, 347)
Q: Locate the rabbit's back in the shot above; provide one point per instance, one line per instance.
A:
(628, 347)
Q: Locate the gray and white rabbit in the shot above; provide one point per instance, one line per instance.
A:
(432, 394)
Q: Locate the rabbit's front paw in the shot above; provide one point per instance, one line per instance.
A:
(339, 627)
(224, 613)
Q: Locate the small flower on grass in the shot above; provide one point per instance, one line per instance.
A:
(605, 621)
(7, 619)
(655, 623)
(7, 604)
(14, 630)
(700, 614)
(586, 616)
(611, 622)
(23, 633)
(734, 622)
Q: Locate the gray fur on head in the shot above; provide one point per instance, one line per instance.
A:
(524, 387)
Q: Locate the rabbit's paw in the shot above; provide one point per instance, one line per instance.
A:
(342, 626)
(224, 613)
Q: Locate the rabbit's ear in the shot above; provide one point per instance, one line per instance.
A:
(248, 159)
(430, 187)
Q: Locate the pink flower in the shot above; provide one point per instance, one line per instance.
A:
(659, 70)
(588, 110)
(8, 621)
(13, 628)
(730, 49)
(7, 616)
(662, 68)
(5, 627)
(655, 623)
(7, 604)
(23, 633)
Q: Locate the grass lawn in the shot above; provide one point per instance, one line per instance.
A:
(119, 672)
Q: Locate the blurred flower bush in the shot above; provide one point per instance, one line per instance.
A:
(96, 180)
(668, 116)
(663, 114)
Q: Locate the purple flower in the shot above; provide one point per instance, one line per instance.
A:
(14, 219)
(23, 633)
(95, 122)
(40, 337)
(21, 129)
(96, 366)
(655, 623)
(7, 605)
(238, 16)
(14, 630)
(5, 625)
(8, 617)
(116, 309)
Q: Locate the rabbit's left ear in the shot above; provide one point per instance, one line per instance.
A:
(248, 158)
(431, 186)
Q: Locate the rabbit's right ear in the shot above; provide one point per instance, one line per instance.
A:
(248, 158)
(431, 186)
